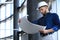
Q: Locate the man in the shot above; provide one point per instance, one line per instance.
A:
(50, 20)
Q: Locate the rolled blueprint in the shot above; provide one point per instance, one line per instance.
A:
(29, 27)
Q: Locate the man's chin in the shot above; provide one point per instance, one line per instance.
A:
(44, 13)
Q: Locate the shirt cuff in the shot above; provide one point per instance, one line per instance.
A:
(55, 28)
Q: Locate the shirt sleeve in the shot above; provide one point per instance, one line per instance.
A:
(35, 21)
(56, 22)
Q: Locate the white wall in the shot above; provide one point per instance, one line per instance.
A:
(56, 9)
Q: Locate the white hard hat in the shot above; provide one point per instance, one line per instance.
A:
(40, 4)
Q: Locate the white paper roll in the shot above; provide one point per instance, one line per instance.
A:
(29, 27)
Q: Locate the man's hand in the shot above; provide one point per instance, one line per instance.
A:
(46, 31)
(19, 20)
(43, 31)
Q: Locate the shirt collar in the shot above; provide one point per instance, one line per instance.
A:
(46, 13)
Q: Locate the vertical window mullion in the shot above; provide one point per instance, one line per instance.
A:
(10, 20)
(5, 22)
(0, 18)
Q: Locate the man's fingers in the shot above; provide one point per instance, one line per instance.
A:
(43, 31)
(19, 20)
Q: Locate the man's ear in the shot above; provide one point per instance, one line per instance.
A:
(47, 8)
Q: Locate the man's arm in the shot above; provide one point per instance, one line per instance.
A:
(46, 31)
(55, 27)
(35, 21)
(56, 22)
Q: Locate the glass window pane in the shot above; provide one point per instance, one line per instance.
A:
(6, 28)
(2, 12)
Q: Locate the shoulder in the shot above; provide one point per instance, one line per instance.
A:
(54, 14)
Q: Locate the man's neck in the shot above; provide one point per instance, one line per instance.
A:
(45, 13)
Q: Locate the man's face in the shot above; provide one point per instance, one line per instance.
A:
(43, 9)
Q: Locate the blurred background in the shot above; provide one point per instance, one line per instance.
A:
(9, 8)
